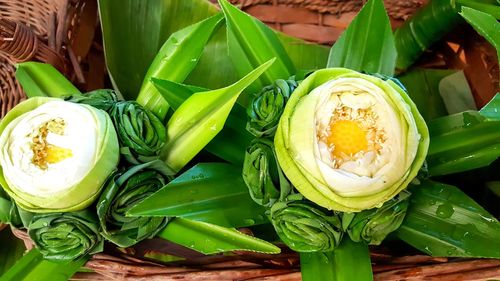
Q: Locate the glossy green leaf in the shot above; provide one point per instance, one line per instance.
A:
(211, 239)
(198, 120)
(209, 192)
(11, 251)
(33, 267)
(464, 141)
(41, 80)
(251, 43)
(231, 142)
(175, 60)
(485, 24)
(367, 44)
(444, 221)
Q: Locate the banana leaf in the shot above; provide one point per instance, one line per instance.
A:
(200, 118)
(251, 43)
(209, 192)
(133, 37)
(485, 24)
(11, 251)
(175, 60)
(443, 221)
(367, 44)
(464, 141)
(40, 79)
(211, 239)
(33, 267)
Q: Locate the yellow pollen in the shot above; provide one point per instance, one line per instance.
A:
(57, 154)
(347, 138)
(45, 153)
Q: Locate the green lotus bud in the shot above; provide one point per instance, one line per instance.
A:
(121, 193)
(373, 225)
(349, 141)
(141, 133)
(304, 227)
(267, 106)
(103, 99)
(55, 155)
(66, 236)
(260, 172)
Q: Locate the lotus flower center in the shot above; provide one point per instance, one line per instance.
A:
(45, 153)
(347, 137)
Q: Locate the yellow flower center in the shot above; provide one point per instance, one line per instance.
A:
(347, 138)
(45, 153)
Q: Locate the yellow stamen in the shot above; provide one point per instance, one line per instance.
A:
(347, 138)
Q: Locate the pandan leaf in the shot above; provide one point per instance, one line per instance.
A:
(485, 24)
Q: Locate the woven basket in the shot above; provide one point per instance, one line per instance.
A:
(320, 21)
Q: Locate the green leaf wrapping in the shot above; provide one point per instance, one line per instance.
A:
(252, 43)
(373, 225)
(122, 192)
(364, 48)
(304, 227)
(260, 172)
(266, 107)
(208, 192)
(443, 221)
(103, 99)
(485, 24)
(464, 141)
(66, 236)
(142, 135)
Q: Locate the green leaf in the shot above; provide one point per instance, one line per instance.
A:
(33, 267)
(43, 80)
(350, 261)
(175, 60)
(485, 24)
(12, 250)
(422, 86)
(464, 141)
(209, 192)
(251, 43)
(198, 120)
(211, 239)
(367, 44)
(444, 221)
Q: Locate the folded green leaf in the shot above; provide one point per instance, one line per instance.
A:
(464, 141)
(266, 107)
(211, 239)
(209, 192)
(141, 134)
(305, 227)
(260, 172)
(65, 237)
(485, 24)
(103, 98)
(252, 43)
(373, 225)
(232, 141)
(364, 48)
(200, 118)
(8, 212)
(443, 221)
(121, 193)
(175, 60)
(43, 80)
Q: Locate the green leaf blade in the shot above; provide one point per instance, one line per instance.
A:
(485, 24)
(251, 43)
(209, 192)
(211, 239)
(367, 44)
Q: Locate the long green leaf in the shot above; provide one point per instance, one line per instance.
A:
(444, 221)
(230, 144)
(198, 120)
(40, 79)
(33, 267)
(12, 249)
(251, 43)
(464, 141)
(211, 239)
(175, 60)
(485, 24)
(208, 192)
(367, 44)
